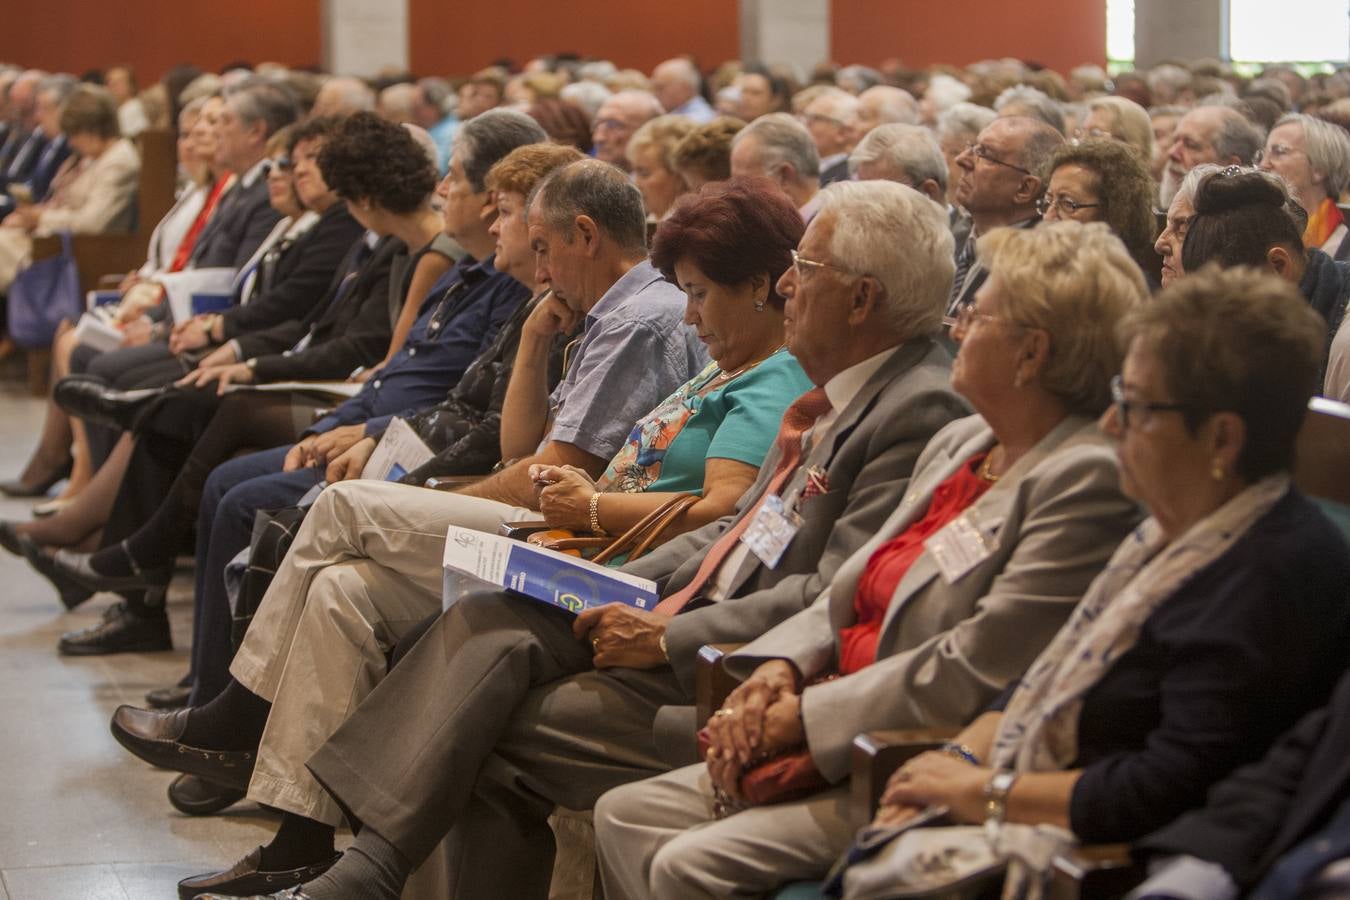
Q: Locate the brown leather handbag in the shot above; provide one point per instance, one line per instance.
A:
(636, 541)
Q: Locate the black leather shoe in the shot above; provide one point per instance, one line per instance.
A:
(90, 399)
(199, 797)
(121, 631)
(244, 879)
(154, 737)
(17, 488)
(76, 567)
(172, 697)
(72, 594)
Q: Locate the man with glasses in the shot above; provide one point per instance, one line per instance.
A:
(828, 117)
(999, 187)
(500, 704)
(616, 120)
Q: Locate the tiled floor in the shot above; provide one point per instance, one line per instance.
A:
(80, 819)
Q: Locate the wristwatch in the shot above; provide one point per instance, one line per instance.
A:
(996, 791)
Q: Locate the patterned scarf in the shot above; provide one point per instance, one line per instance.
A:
(1039, 730)
(1322, 223)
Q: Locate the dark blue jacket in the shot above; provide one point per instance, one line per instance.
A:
(457, 322)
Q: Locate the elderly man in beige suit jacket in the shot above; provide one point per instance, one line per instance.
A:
(989, 586)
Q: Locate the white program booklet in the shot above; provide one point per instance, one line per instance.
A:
(399, 452)
(341, 389)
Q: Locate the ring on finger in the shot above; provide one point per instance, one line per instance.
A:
(724, 712)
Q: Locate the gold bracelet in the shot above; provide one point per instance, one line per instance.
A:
(595, 514)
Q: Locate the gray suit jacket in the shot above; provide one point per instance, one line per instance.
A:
(867, 457)
(947, 650)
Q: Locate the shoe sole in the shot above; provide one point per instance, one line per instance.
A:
(66, 649)
(225, 801)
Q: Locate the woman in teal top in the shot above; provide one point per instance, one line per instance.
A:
(726, 248)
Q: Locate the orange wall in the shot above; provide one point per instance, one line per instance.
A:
(457, 37)
(1058, 33)
(75, 35)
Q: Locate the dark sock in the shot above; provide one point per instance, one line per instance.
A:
(298, 842)
(111, 561)
(370, 869)
(234, 720)
(155, 544)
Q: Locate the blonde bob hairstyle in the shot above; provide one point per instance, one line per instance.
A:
(664, 133)
(1130, 123)
(1075, 282)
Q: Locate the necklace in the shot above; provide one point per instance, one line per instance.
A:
(985, 472)
(723, 377)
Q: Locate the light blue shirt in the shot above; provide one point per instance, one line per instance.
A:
(696, 109)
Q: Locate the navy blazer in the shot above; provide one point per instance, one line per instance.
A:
(243, 219)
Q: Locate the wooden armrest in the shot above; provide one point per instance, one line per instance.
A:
(877, 754)
(452, 482)
(712, 681)
(1095, 870)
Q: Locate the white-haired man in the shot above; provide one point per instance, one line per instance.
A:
(1208, 134)
(778, 147)
(619, 116)
(829, 117)
(677, 83)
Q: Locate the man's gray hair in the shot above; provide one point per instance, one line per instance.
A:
(484, 140)
(357, 96)
(964, 120)
(903, 240)
(783, 139)
(436, 92)
(588, 96)
(601, 192)
(59, 87)
(258, 99)
(944, 91)
(1167, 80)
(1327, 147)
(1238, 136)
(910, 148)
(1032, 103)
(896, 104)
(855, 78)
(598, 70)
(1042, 140)
(840, 104)
(685, 70)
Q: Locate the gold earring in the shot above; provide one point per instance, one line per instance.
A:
(1216, 471)
(759, 305)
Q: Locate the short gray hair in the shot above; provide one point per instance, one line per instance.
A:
(861, 77)
(1033, 103)
(488, 137)
(903, 240)
(436, 92)
(599, 191)
(964, 120)
(896, 104)
(1237, 136)
(782, 139)
(944, 91)
(357, 96)
(1327, 147)
(1197, 174)
(257, 99)
(588, 96)
(60, 87)
(841, 104)
(910, 148)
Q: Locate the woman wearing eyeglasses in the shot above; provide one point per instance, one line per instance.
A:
(1010, 515)
(1313, 157)
(1215, 625)
(1104, 181)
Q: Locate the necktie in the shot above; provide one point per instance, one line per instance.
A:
(1289, 878)
(798, 419)
(964, 260)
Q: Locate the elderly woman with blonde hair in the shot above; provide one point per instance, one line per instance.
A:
(1010, 515)
(93, 191)
(1119, 119)
(651, 152)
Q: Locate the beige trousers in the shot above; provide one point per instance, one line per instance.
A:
(365, 568)
(659, 838)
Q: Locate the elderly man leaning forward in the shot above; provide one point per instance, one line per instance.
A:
(507, 707)
(368, 555)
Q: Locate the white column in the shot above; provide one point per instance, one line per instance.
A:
(794, 32)
(1169, 29)
(363, 37)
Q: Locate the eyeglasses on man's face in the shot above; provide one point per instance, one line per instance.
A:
(800, 265)
(980, 151)
(1066, 205)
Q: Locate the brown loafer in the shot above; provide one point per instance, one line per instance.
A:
(154, 737)
(245, 879)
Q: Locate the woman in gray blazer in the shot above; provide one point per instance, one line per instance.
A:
(1009, 516)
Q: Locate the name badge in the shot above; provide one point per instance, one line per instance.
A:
(771, 530)
(960, 546)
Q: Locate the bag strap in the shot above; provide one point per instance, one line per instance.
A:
(648, 530)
